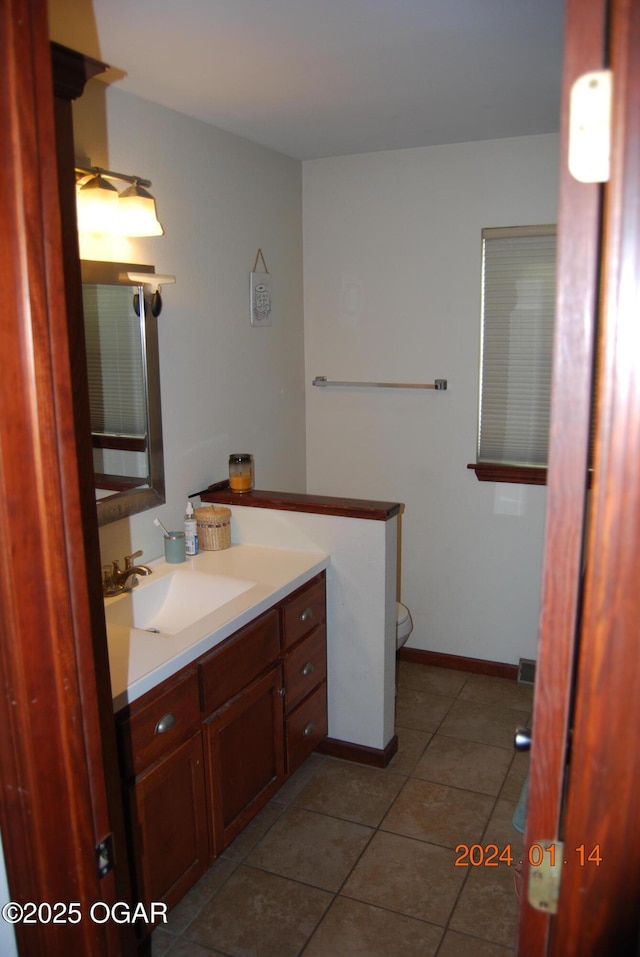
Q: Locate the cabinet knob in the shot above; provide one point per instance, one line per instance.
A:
(165, 723)
(308, 729)
(306, 614)
(308, 669)
(280, 691)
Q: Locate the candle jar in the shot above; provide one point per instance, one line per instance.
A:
(241, 472)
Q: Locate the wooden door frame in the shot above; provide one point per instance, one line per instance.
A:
(579, 215)
(55, 806)
(586, 706)
(598, 908)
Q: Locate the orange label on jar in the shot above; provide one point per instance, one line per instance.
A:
(240, 483)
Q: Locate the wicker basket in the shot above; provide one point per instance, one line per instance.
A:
(214, 528)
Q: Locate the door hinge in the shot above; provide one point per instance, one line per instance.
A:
(590, 127)
(545, 871)
(104, 855)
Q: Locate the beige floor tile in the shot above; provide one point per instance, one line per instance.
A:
(186, 948)
(353, 929)
(421, 710)
(162, 942)
(253, 832)
(461, 945)
(503, 692)
(411, 745)
(514, 780)
(500, 829)
(446, 681)
(487, 907)
(408, 877)
(486, 724)
(439, 814)
(194, 900)
(351, 791)
(259, 914)
(312, 848)
(464, 764)
(300, 778)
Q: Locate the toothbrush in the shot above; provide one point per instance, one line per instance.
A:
(157, 522)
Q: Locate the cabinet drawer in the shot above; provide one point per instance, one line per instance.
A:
(304, 610)
(305, 727)
(238, 660)
(146, 731)
(305, 666)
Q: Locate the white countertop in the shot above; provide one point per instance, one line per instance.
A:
(139, 660)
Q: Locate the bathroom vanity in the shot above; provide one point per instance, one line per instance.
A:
(203, 749)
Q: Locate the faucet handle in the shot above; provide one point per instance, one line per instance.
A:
(109, 586)
(129, 560)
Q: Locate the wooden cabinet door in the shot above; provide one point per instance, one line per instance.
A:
(244, 756)
(168, 824)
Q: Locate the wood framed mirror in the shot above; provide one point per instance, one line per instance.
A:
(124, 390)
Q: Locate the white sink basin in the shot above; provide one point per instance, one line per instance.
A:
(169, 604)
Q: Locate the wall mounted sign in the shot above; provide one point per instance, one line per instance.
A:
(260, 294)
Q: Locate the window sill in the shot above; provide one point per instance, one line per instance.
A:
(517, 474)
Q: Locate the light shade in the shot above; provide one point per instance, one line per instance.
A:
(97, 206)
(138, 213)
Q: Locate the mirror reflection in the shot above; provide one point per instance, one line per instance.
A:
(124, 391)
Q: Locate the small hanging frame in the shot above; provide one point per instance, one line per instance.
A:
(260, 294)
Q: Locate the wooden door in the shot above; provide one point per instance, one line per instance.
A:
(585, 782)
(55, 807)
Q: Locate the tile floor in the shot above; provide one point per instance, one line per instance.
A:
(351, 861)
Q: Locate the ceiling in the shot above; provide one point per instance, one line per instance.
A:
(316, 78)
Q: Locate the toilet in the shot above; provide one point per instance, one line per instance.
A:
(404, 624)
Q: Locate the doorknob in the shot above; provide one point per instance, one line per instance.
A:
(522, 739)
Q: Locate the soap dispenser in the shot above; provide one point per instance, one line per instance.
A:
(190, 532)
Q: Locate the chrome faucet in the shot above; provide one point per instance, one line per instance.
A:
(116, 579)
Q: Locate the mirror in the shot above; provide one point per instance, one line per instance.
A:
(124, 391)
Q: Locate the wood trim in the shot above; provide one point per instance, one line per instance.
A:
(71, 71)
(478, 666)
(517, 474)
(54, 806)
(126, 443)
(118, 483)
(359, 753)
(598, 906)
(221, 494)
(577, 273)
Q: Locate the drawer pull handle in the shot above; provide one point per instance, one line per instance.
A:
(165, 723)
(306, 614)
(308, 669)
(308, 729)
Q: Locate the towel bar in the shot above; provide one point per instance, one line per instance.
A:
(439, 384)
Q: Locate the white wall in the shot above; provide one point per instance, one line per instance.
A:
(226, 386)
(392, 257)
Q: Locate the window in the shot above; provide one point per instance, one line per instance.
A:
(518, 300)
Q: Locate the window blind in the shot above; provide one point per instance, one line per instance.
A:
(518, 302)
(117, 389)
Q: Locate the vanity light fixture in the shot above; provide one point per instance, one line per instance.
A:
(152, 282)
(102, 208)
